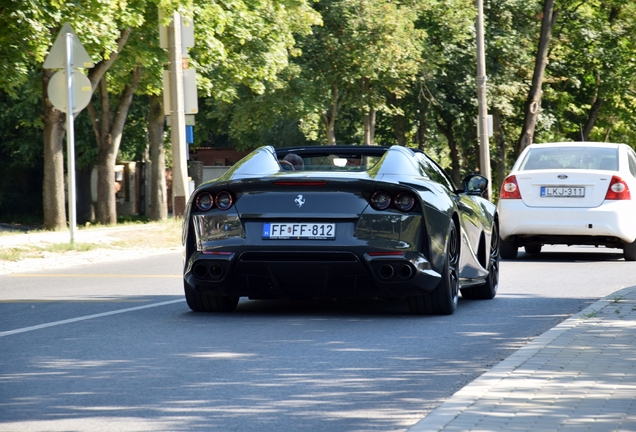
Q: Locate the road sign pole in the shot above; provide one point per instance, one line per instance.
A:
(482, 106)
(70, 136)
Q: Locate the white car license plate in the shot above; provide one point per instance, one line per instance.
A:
(310, 231)
(562, 192)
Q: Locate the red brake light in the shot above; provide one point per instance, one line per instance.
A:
(618, 190)
(510, 188)
(300, 183)
(386, 253)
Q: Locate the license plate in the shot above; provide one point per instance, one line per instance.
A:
(562, 192)
(308, 231)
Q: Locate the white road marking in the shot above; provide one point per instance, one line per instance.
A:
(87, 317)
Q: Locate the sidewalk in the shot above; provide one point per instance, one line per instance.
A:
(578, 376)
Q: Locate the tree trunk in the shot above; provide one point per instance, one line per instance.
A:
(446, 129)
(110, 138)
(422, 123)
(399, 121)
(329, 116)
(369, 127)
(53, 186)
(533, 103)
(158, 192)
(84, 202)
(500, 140)
(592, 117)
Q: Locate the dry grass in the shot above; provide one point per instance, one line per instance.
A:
(156, 235)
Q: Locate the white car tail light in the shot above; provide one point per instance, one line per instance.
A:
(510, 188)
(618, 190)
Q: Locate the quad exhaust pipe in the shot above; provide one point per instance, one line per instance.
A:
(388, 271)
(203, 272)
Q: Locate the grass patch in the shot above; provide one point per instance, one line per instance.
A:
(12, 254)
(33, 251)
(166, 234)
(66, 247)
(159, 235)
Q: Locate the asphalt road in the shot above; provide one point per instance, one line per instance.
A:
(114, 347)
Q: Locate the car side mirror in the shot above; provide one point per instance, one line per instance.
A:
(474, 184)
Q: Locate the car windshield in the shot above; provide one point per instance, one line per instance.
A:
(596, 158)
(337, 162)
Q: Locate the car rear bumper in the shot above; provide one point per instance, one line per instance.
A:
(306, 274)
(611, 219)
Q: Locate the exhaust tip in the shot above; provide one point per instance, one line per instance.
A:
(386, 271)
(200, 271)
(405, 271)
(216, 271)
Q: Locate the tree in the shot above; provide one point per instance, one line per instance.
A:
(241, 53)
(33, 27)
(533, 103)
(592, 73)
(365, 53)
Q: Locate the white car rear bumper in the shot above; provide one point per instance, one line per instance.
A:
(612, 218)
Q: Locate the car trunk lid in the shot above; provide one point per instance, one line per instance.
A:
(303, 197)
(563, 188)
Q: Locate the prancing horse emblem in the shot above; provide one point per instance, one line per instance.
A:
(299, 200)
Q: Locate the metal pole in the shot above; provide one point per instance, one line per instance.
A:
(70, 136)
(482, 107)
(180, 191)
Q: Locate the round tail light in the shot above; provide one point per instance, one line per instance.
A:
(204, 201)
(404, 201)
(224, 200)
(380, 200)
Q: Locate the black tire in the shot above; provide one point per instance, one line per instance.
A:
(443, 299)
(199, 302)
(489, 289)
(533, 248)
(629, 251)
(509, 249)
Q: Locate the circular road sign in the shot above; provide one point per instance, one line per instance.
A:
(82, 91)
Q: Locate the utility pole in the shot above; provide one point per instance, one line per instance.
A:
(482, 107)
(180, 189)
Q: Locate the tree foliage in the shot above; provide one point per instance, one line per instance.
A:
(294, 72)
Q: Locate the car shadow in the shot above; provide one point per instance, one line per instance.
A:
(561, 254)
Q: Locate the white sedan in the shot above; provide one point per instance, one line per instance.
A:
(577, 193)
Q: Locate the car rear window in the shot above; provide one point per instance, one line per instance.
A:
(596, 158)
(343, 163)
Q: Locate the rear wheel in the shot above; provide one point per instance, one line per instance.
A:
(199, 302)
(488, 290)
(629, 251)
(533, 248)
(443, 299)
(509, 249)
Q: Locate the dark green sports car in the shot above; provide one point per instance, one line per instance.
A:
(340, 222)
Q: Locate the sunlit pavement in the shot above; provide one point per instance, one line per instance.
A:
(580, 375)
